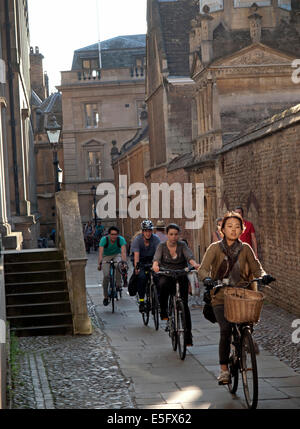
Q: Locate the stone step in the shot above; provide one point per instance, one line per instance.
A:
(37, 297)
(35, 287)
(24, 321)
(30, 266)
(31, 331)
(62, 307)
(35, 276)
(32, 255)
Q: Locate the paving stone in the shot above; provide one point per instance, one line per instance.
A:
(291, 391)
(278, 404)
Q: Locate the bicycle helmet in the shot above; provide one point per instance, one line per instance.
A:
(147, 224)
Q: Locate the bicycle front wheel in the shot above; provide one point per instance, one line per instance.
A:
(249, 369)
(172, 323)
(146, 312)
(181, 330)
(112, 299)
(233, 368)
(155, 307)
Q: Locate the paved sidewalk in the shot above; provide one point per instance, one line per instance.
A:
(161, 380)
(124, 364)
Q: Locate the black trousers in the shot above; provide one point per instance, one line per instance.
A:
(167, 286)
(225, 334)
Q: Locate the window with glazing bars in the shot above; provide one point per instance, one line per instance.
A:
(94, 165)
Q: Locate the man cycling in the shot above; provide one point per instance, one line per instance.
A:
(143, 249)
(111, 246)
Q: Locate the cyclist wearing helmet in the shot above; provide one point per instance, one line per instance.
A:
(143, 248)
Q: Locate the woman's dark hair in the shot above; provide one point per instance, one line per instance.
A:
(172, 226)
(240, 208)
(235, 215)
(113, 228)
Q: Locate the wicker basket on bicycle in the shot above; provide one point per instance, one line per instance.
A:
(242, 305)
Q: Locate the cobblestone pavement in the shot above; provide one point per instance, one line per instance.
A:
(99, 371)
(79, 372)
(274, 333)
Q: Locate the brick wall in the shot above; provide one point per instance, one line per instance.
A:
(263, 177)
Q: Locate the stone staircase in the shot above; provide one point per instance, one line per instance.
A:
(37, 297)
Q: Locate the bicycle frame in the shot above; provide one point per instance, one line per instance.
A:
(178, 337)
(112, 283)
(151, 296)
(243, 346)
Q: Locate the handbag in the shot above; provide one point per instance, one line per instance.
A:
(208, 313)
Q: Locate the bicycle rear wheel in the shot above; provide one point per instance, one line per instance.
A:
(181, 330)
(172, 323)
(119, 292)
(249, 369)
(155, 307)
(233, 368)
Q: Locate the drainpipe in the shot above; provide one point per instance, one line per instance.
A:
(10, 79)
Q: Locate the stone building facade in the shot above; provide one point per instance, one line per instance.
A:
(240, 58)
(101, 109)
(237, 84)
(18, 209)
(260, 170)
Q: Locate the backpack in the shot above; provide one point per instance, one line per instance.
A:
(107, 242)
(133, 284)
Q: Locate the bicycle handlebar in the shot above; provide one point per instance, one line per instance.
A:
(176, 273)
(219, 284)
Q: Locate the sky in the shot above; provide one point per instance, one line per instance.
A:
(59, 27)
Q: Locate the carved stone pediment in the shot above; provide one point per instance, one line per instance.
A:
(256, 55)
(93, 143)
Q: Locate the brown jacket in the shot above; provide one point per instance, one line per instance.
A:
(250, 267)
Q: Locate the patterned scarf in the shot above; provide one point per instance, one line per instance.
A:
(230, 267)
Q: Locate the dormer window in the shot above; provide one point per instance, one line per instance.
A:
(249, 3)
(285, 4)
(214, 5)
(90, 64)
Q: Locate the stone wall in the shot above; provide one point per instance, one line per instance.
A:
(261, 172)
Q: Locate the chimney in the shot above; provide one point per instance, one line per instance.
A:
(37, 73)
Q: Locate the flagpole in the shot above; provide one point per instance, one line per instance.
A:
(99, 40)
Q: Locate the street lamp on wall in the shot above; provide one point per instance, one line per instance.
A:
(93, 189)
(53, 130)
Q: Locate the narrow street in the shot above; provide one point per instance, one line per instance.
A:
(124, 364)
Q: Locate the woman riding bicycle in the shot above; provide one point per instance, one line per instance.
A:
(233, 262)
(174, 255)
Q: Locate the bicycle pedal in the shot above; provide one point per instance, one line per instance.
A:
(223, 383)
